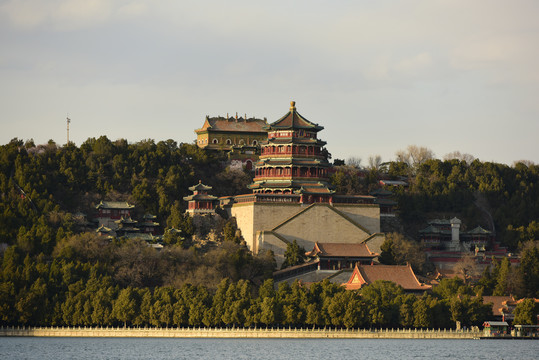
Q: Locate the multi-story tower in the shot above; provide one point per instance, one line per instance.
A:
(293, 161)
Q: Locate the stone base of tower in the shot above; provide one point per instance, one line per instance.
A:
(270, 222)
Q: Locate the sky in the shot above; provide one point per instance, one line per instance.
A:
(448, 75)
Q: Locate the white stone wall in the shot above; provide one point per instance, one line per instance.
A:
(366, 215)
(268, 241)
(305, 224)
(375, 242)
(253, 217)
(320, 223)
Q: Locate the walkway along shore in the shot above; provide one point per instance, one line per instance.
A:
(269, 333)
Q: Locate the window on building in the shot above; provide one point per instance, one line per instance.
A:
(215, 141)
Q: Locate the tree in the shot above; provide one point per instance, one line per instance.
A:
(421, 314)
(388, 256)
(267, 311)
(266, 289)
(294, 254)
(396, 249)
(125, 307)
(414, 156)
(230, 232)
(353, 161)
(526, 312)
(503, 273)
(448, 288)
(7, 303)
(380, 299)
(375, 162)
(529, 268)
(346, 180)
(469, 310)
(486, 282)
(29, 302)
(102, 303)
(459, 156)
(467, 267)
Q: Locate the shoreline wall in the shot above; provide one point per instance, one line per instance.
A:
(269, 333)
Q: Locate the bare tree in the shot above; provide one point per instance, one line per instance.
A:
(354, 161)
(414, 156)
(403, 156)
(419, 154)
(375, 161)
(467, 158)
(467, 267)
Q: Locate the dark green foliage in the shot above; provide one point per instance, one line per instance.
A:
(529, 268)
(54, 274)
(380, 298)
(346, 180)
(398, 250)
(230, 232)
(526, 312)
(294, 254)
(42, 186)
(487, 194)
(65, 291)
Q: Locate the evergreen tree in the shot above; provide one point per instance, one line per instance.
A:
(526, 312)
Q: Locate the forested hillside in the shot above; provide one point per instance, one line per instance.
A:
(54, 273)
(41, 187)
(501, 198)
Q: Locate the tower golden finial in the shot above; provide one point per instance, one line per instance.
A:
(292, 105)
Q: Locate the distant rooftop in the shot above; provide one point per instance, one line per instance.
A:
(114, 205)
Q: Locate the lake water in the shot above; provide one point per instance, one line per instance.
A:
(238, 349)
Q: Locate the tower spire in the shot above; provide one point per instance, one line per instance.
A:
(68, 122)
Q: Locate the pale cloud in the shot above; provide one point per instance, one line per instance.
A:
(414, 64)
(74, 14)
(25, 14)
(66, 15)
(505, 58)
(133, 9)
(378, 70)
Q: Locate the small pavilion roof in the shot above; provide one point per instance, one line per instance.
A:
(293, 120)
(381, 192)
(200, 187)
(126, 221)
(402, 275)
(495, 323)
(341, 250)
(200, 197)
(394, 182)
(314, 189)
(104, 229)
(120, 205)
(478, 231)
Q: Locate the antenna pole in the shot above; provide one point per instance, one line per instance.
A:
(68, 121)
